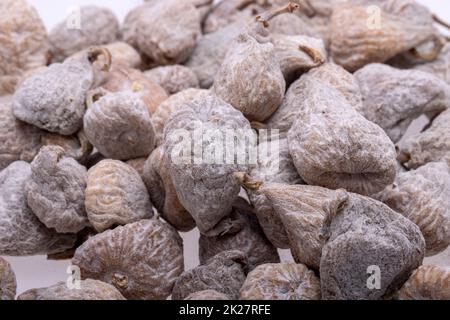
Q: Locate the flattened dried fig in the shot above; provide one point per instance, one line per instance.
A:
(427, 283)
(281, 281)
(115, 195)
(207, 295)
(174, 78)
(224, 273)
(207, 190)
(55, 191)
(250, 239)
(98, 26)
(162, 192)
(142, 259)
(393, 98)
(8, 285)
(368, 238)
(23, 42)
(119, 126)
(89, 290)
(423, 196)
(21, 233)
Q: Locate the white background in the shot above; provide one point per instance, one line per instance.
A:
(34, 272)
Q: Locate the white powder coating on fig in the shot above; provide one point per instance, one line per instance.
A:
(281, 281)
(306, 213)
(118, 124)
(299, 91)
(368, 238)
(393, 98)
(21, 232)
(89, 290)
(8, 284)
(207, 295)
(115, 195)
(156, 176)
(54, 99)
(98, 26)
(225, 273)
(23, 42)
(142, 259)
(423, 196)
(250, 78)
(333, 146)
(173, 78)
(163, 112)
(55, 191)
(18, 140)
(431, 145)
(427, 283)
(207, 191)
(166, 31)
(275, 166)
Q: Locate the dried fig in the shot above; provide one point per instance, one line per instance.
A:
(281, 281)
(55, 191)
(115, 195)
(138, 165)
(21, 233)
(207, 295)
(174, 78)
(224, 273)
(423, 196)
(75, 146)
(8, 284)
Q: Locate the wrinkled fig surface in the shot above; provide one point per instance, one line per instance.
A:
(8, 283)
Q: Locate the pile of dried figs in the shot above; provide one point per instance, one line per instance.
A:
(113, 141)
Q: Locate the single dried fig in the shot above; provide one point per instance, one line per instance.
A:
(21, 233)
(174, 78)
(89, 290)
(166, 31)
(142, 259)
(162, 192)
(206, 187)
(54, 99)
(423, 196)
(306, 213)
(23, 42)
(333, 146)
(250, 239)
(119, 125)
(8, 284)
(368, 238)
(224, 273)
(98, 26)
(55, 191)
(393, 98)
(427, 283)
(207, 295)
(281, 281)
(115, 195)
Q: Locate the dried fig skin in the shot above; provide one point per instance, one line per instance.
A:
(89, 290)
(64, 87)
(98, 26)
(207, 295)
(333, 146)
(423, 196)
(142, 259)
(393, 98)
(306, 213)
(438, 67)
(367, 235)
(119, 126)
(173, 78)
(281, 281)
(23, 45)
(8, 284)
(206, 191)
(115, 195)
(21, 232)
(250, 239)
(161, 190)
(55, 191)
(426, 283)
(75, 146)
(224, 273)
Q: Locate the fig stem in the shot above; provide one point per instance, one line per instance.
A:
(95, 52)
(247, 182)
(440, 21)
(265, 17)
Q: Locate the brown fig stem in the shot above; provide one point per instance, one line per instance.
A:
(440, 21)
(95, 52)
(265, 17)
(247, 182)
(315, 55)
